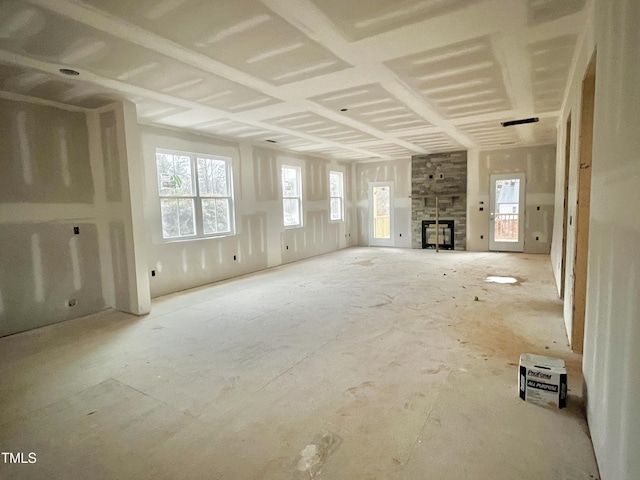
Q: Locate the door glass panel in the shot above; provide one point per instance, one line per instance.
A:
(507, 210)
(381, 212)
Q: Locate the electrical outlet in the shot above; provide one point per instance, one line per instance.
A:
(482, 209)
(441, 176)
(400, 234)
(481, 237)
(287, 247)
(430, 177)
(537, 238)
(235, 257)
(73, 302)
(76, 230)
(153, 273)
(538, 207)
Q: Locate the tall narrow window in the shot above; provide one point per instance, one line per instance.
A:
(336, 196)
(292, 196)
(196, 195)
(215, 195)
(177, 195)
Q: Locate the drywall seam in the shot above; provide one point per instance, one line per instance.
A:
(102, 213)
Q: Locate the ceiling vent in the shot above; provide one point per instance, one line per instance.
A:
(68, 71)
(521, 121)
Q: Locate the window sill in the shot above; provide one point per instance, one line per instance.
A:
(195, 238)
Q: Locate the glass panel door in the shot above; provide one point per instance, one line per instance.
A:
(381, 218)
(506, 228)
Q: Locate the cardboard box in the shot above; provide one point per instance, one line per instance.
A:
(543, 380)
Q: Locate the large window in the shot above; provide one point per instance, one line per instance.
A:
(292, 196)
(196, 194)
(336, 196)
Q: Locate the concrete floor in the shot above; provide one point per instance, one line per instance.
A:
(365, 363)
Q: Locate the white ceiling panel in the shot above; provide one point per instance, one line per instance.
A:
(492, 134)
(544, 131)
(35, 83)
(81, 47)
(542, 11)
(242, 33)
(347, 79)
(318, 126)
(372, 105)
(357, 20)
(434, 142)
(460, 80)
(550, 64)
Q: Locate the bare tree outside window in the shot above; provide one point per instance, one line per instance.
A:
(196, 197)
(292, 196)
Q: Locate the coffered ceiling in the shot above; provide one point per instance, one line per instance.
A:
(351, 79)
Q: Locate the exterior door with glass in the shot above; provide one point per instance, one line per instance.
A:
(506, 215)
(381, 214)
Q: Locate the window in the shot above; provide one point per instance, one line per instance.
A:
(196, 197)
(336, 196)
(292, 196)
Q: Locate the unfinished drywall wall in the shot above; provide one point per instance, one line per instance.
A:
(611, 357)
(116, 159)
(571, 108)
(48, 272)
(260, 240)
(398, 172)
(539, 166)
(67, 226)
(44, 155)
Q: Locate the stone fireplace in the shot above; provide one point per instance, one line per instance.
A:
(444, 176)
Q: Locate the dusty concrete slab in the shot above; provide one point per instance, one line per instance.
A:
(365, 363)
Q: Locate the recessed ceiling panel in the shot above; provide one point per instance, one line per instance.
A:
(341, 153)
(265, 70)
(321, 127)
(231, 128)
(360, 19)
(373, 105)
(244, 34)
(541, 11)
(38, 84)
(155, 111)
(388, 150)
(550, 65)
(83, 48)
(545, 131)
(434, 142)
(491, 134)
(461, 79)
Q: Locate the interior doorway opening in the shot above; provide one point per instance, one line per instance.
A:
(580, 264)
(565, 215)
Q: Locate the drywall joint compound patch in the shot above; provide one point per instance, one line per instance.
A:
(542, 380)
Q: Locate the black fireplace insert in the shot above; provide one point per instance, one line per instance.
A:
(445, 234)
